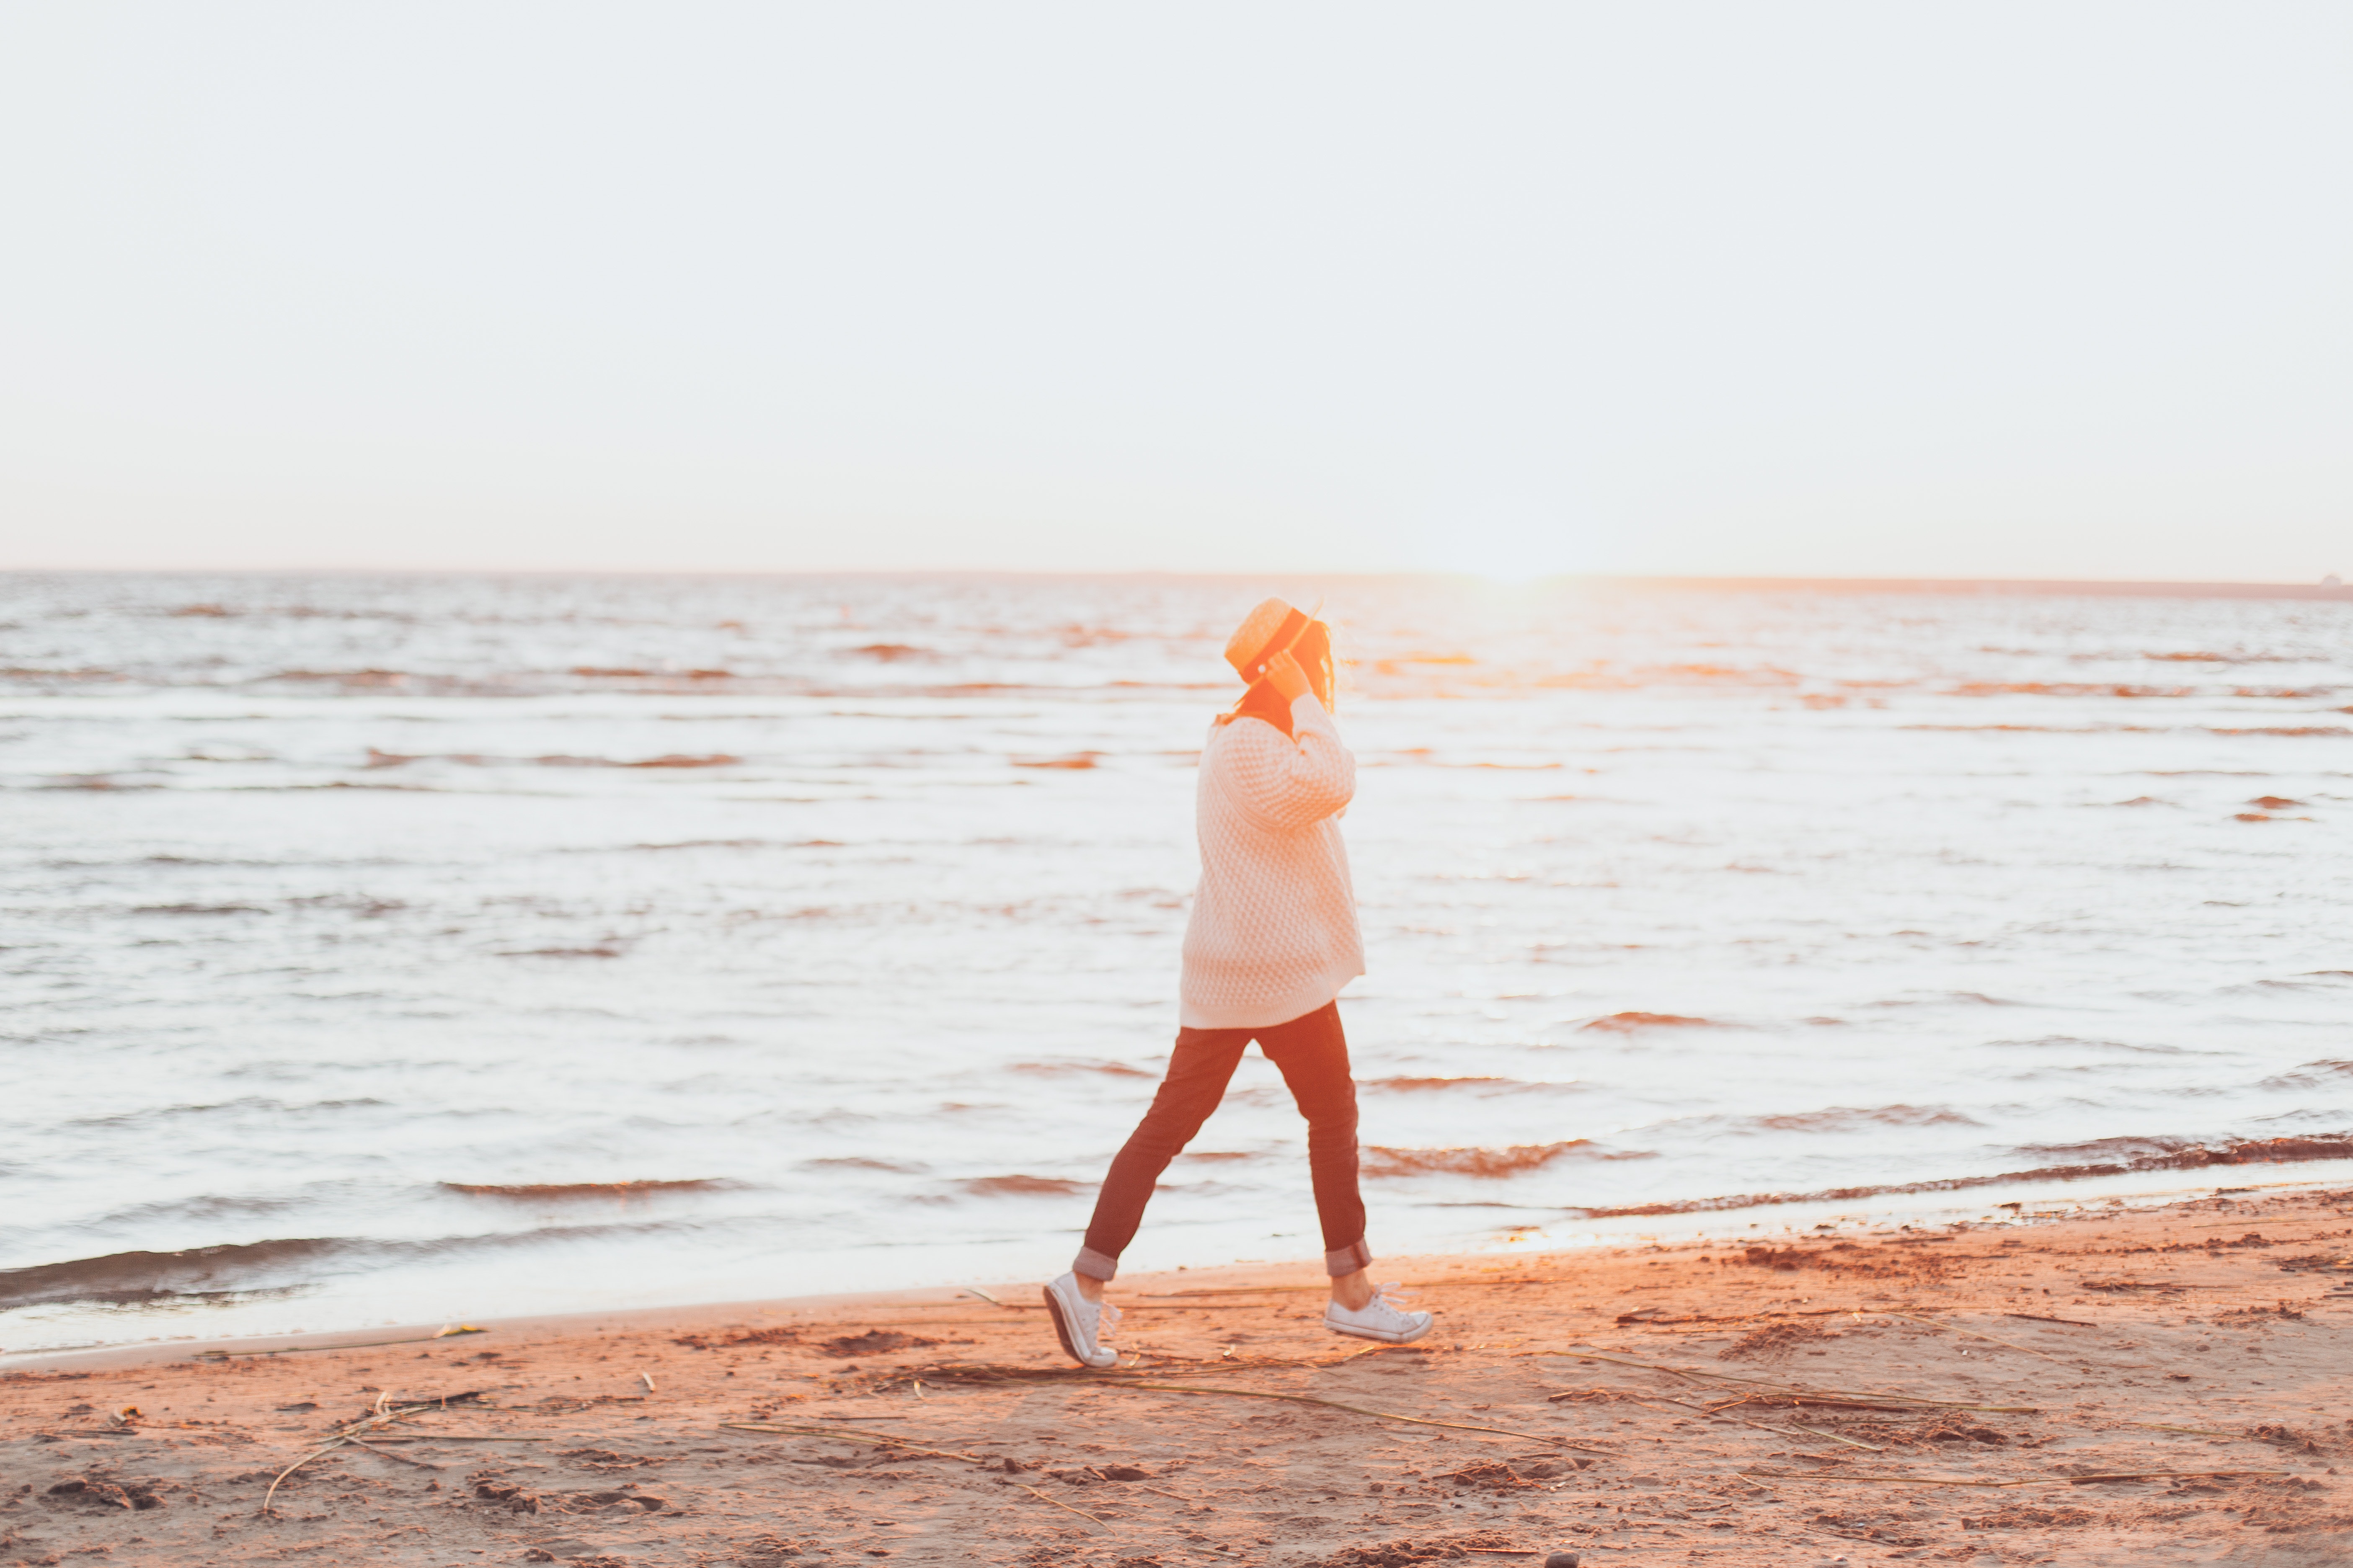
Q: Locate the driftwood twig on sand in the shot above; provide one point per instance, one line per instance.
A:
(2028, 1482)
(2005, 1345)
(1353, 1409)
(865, 1439)
(1795, 1394)
(385, 1412)
(1058, 1502)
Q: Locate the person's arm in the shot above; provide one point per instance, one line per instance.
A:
(1290, 784)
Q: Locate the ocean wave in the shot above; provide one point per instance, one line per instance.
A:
(2078, 1042)
(1511, 1161)
(2260, 987)
(2296, 729)
(1064, 1069)
(130, 1278)
(600, 950)
(2037, 728)
(380, 759)
(2225, 658)
(242, 864)
(1711, 674)
(124, 1277)
(246, 1105)
(578, 1192)
(2066, 689)
(725, 844)
(669, 760)
(1024, 1188)
(502, 684)
(2311, 1075)
(592, 672)
(2266, 1150)
(1626, 1022)
(211, 1210)
(1419, 756)
(2147, 1147)
(386, 788)
(1840, 1119)
(364, 678)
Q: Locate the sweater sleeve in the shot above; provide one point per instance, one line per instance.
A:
(1289, 783)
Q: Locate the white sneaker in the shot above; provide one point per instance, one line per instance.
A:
(1082, 1324)
(1379, 1319)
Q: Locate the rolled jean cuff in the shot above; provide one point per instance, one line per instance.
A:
(1347, 1259)
(1095, 1266)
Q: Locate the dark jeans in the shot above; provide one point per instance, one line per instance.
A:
(1313, 1054)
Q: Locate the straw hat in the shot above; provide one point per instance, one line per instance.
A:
(1267, 630)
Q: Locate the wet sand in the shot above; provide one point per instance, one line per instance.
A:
(2125, 1387)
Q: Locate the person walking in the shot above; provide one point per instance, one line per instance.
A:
(1271, 940)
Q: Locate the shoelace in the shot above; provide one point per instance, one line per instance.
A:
(1390, 1294)
(1107, 1319)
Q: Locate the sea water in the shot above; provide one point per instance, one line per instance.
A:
(421, 947)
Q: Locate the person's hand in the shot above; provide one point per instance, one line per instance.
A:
(1283, 673)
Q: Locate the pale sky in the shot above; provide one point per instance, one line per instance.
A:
(2033, 290)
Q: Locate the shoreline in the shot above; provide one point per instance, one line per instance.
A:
(1597, 1229)
(1956, 1391)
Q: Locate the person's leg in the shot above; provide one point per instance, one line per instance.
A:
(1198, 1070)
(1313, 1057)
(1313, 1054)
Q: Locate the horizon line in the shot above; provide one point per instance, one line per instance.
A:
(2327, 589)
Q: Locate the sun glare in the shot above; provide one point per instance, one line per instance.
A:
(1510, 571)
(1511, 541)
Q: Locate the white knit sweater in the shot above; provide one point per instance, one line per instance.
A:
(1273, 930)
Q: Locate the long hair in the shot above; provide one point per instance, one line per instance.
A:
(1314, 652)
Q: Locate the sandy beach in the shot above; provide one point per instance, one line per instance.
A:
(2096, 1387)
